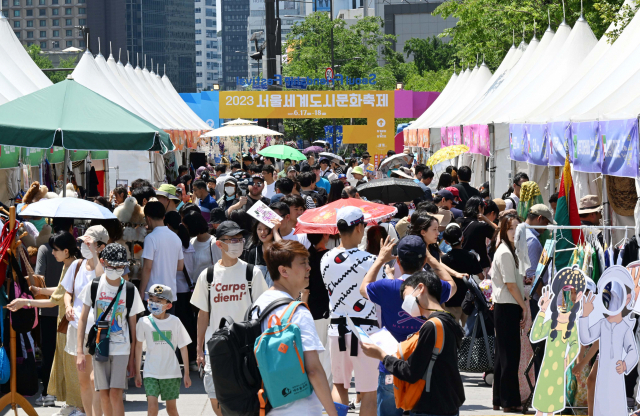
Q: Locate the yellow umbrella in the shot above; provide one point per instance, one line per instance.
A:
(447, 153)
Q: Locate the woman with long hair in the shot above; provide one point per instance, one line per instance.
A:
(477, 229)
(510, 317)
(336, 191)
(63, 381)
(444, 181)
(261, 239)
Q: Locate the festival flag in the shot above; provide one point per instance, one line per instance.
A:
(566, 214)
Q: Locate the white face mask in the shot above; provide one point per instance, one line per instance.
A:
(410, 305)
(86, 252)
(114, 274)
(229, 190)
(235, 250)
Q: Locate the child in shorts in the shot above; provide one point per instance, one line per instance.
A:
(163, 333)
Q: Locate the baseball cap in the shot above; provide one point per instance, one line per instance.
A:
(453, 190)
(115, 254)
(96, 233)
(161, 291)
(342, 175)
(446, 194)
(412, 245)
(227, 228)
(351, 215)
(168, 191)
(543, 211)
(589, 204)
(291, 168)
(358, 170)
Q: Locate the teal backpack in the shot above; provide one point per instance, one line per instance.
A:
(281, 361)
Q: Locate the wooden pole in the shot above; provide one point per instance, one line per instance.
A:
(13, 398)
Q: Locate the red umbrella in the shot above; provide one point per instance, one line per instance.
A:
(323, 220)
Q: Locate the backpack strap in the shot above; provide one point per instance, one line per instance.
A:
(287, 315)
(249, 278)
(94, 290)
(210, 271)
(161, 333)
(129, 287)
(437, 349)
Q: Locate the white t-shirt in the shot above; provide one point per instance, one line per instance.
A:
(161, 361)
(207, 253)
(83, 279)
(310, 405)
(343, 272)
(509, 203)
(269, 190)
(164, 248)
(229, 293)
(301, 238)
(119, 343)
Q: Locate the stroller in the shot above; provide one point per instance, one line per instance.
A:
(475, 356)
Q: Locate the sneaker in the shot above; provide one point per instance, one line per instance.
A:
(193, 366)
(124, 396)
(65, 410)
(77, 412)
(40, 401)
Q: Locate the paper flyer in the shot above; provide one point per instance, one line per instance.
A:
(362, 336)
(385, 340)
(264, 214)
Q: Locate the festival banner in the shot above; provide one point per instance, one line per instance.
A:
(480, 143)
(537, 144)
(620, 142)
(517, 142)
(443, 137)
(376, 106)
(466, 136)
(454, 135)
(413, 138)
(424, 138)
(587, 147)
(328, 135)
(559, 134)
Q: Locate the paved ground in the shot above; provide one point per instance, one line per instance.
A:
(194, 402)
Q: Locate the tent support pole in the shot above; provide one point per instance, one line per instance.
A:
(606, 218)
(64, 173)
(151, 167)
(492, 160)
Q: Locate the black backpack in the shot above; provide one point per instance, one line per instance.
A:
(236, 377)
(318, 199)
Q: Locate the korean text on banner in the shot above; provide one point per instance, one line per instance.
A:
(466, 136)
(620, 142)
(560, 142)
(444, 140)
(517, 142)
(376, 106)
(587, 147)
(424, 138)
(537, 144)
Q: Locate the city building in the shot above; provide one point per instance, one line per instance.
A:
(208, 54)
(161, 30)
(50, 24)
(410, 20)
(232, 16)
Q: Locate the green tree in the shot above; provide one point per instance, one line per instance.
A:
(487, 26)
(44, 62)
(620, 16)
(429, 80)
(430, 54)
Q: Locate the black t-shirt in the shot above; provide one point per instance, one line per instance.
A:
(475, 234)
(318, 295)
(468, 190)
(463, 262)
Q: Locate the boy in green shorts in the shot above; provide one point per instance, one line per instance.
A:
(162, 333)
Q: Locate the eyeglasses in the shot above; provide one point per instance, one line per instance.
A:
(112, 269)
(258, 184)
(232, 240)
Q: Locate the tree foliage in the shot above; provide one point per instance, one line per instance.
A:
(44, 62)
(430, 54)
(618, 16)
(487, 26)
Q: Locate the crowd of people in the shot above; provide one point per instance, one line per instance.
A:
(206, 260)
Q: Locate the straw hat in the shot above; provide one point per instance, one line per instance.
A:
(622, 194)
(501, 204)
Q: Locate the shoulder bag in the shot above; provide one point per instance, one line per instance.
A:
(64, 322)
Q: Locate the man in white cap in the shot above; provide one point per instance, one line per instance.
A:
(590, 210)
(343, 270)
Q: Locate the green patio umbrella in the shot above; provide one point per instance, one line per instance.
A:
(72, 116)
(279, 151)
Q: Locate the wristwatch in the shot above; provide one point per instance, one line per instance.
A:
(29, 303)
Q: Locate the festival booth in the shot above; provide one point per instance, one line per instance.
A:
(151, 97)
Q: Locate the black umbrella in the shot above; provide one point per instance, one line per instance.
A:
(391, 190)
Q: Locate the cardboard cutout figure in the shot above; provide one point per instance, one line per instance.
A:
(607, 317)
(556, 322)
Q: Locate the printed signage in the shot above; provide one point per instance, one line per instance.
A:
(376, 106)
(587, 147)
(620, 142)
(302, 83)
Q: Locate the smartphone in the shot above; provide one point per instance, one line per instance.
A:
(395, 250)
